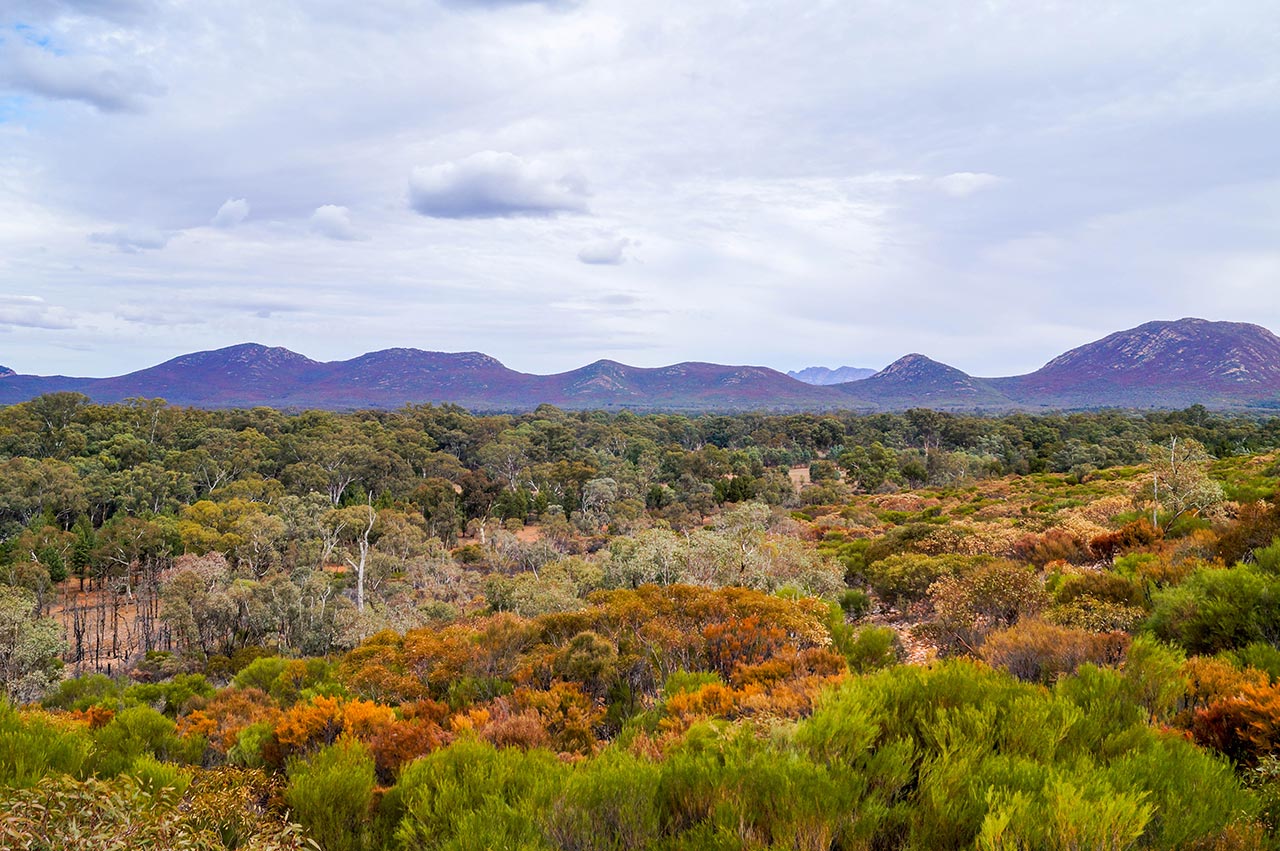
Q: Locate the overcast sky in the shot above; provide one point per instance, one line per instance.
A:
(774, 183)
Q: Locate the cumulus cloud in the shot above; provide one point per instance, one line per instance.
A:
(493, 184)
(29, 311)
(964, 183)
(232, 212)
(111, 87)
(605, 252)
(334, 222)
(132, 240)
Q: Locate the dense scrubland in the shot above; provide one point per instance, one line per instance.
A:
(426, 629)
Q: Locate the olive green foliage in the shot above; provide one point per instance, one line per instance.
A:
(1215, 610)
(1040, 652)
(994, 594)
(472, 797)
(170, 696)
(864, 648)
(905, 578)
(330, 795)
(288, 681)
(82, 692)
(855, 602)
(139, 731)
(33, 746)
(50, 800)
(681, 682)
(989, 757)
(610, 804)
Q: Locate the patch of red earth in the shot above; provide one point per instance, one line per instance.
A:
(530, 534)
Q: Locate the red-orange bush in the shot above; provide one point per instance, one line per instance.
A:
(1245, 727)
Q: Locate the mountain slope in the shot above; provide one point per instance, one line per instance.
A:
(1159, 364)
(693, 386)
(392, 377)
(247, 374)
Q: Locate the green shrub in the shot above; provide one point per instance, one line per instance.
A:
(471, 797)
(247, 751)
(1260, 655)
(261, 673)
(901, 580)
(1104, 586)
(160, 779)
(682, 682)
(81, 692)
(132, 733)
(1268, 558)
(33, 746)
(170, 696)
(1217, 610)
(330, 795)
(855, 603)
(608, 804)
(753, 793)
(871, 648)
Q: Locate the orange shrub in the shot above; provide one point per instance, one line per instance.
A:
(1245, 727)
(1139, 534)
(318, 721)
(569, 715)
(744, 641)
(95, 716)
(1211, 680)
(365, 719)
(401, 742)
(522, 730)
(233, 709)
(197, 723)
(1040, 652)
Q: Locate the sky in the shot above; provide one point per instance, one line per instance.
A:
(740, 181)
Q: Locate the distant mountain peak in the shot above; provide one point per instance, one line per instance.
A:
(242, 354)
(422, 358)
(915, 366)
(822, 376)
(4, 370)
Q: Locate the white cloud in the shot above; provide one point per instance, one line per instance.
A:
(334, 222)
(961, 184)
(27, 311)
(132, 240)
(605, 252)
(111, 86)
(491, 184)
(232, 212)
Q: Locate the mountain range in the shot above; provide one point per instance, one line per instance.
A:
(1222, 365)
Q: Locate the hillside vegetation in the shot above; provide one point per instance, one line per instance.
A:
(422, 628)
